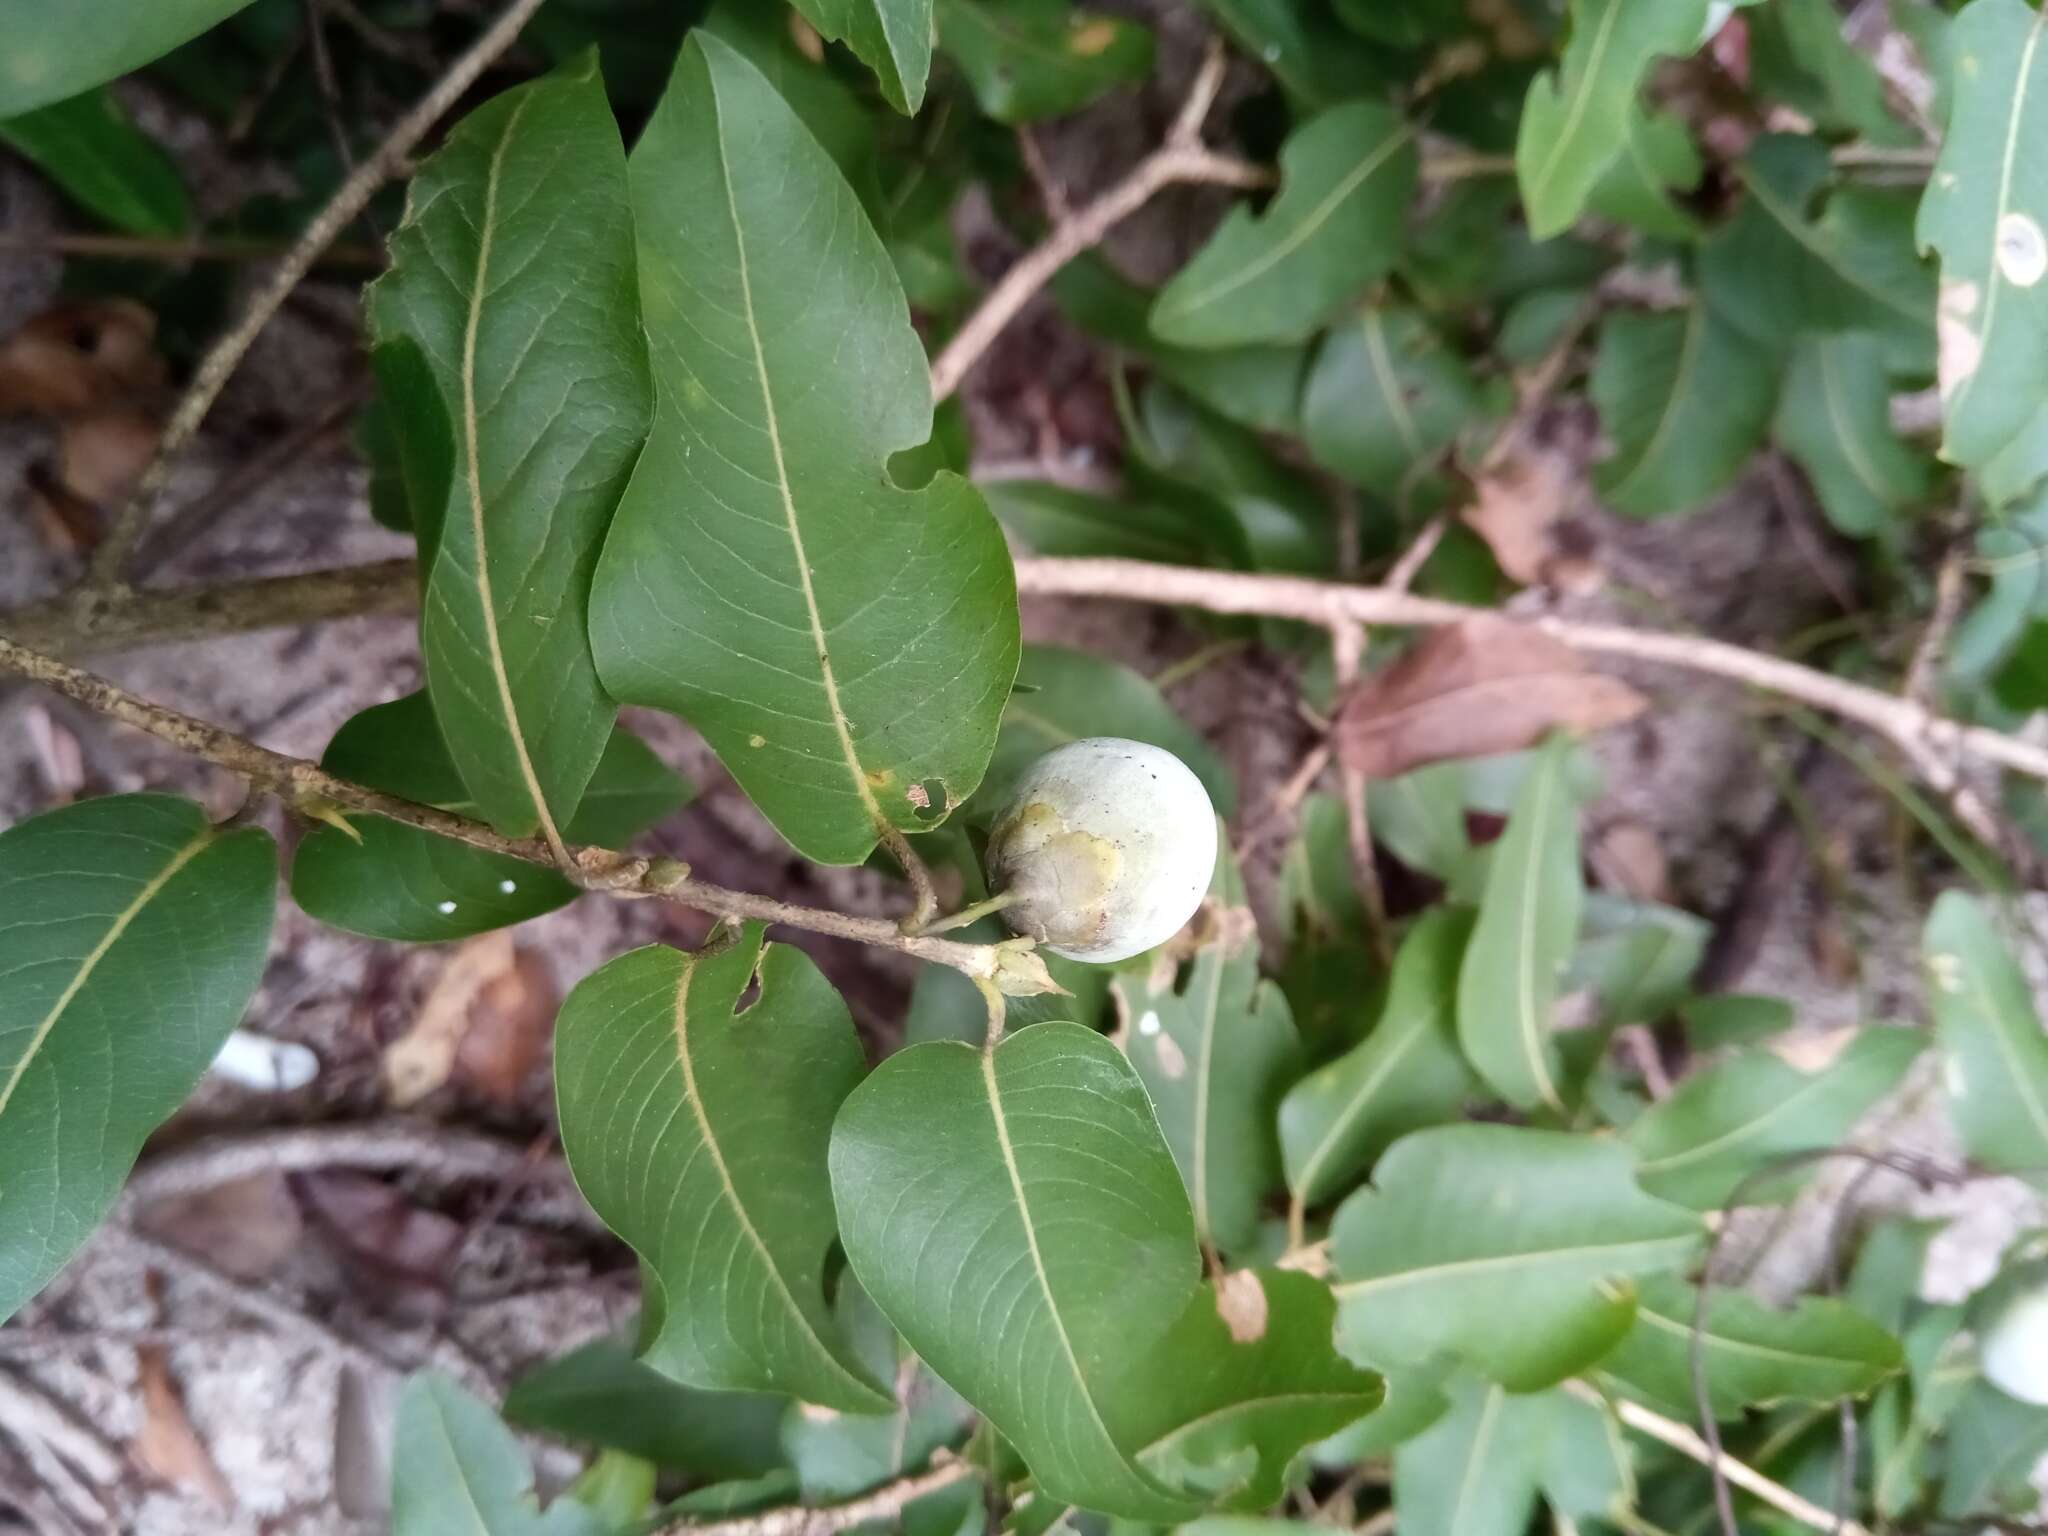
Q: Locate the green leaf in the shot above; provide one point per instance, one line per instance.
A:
(1226, 480)
(1834, 419)
(1419, 817)
(1064, 696)
(1819, 1351)
(1637, 957)
(49, 54)
(1501, 1246)
(104, 163)
(1986, 215)
(1059, 520)
(1686, 398)
(132, 935)
(1994, 1443)
(546, 384)
(1528, 924)
(1478, 1470)
(834, 112)
(1018, 1217)
(891, 37)
(422, 443)
(698, 1134)
(1331, 232)
(843, 645)
(455, 1467)
(1635, 189)
(1773, 271)
(1241, 1385)
(1403, 23)
(1995, 1057)
(599, 1393)
(1386, 398)
(1318, 62)
(1216, 1048)
(1725, 1123)
(1032, 59)
(1577, 119)
(1799, 54)
(1406, 1076)
(392, 881)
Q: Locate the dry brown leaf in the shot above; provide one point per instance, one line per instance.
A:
(490, 994)
(400, 1252)
(81, 357)
(101, 455)
(168, 1445)
(246, 1226)
(1628, 857)
(1518, 507)
(1473, 689)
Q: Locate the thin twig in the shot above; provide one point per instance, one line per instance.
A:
(309, 790)
(1417, 554)
(110, 560)
(1923, 672)
(830, 1519)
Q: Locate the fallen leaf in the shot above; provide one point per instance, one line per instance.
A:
(362, 1448)
(102, 454)
(1518, 507)
(1473, 689)
(81, 357)
(245, 1226)
(483, 1022)
(168, 1446)
(399, 1251)
(1629, 858)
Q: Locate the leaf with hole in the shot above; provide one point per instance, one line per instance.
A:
(1994, 1054)
(1216, 1048)
(392, 881)
(513, 276)
(1834, 420)
(1331, 232)
(1733, 1119)
(1528, 925)
(132, 936)
(1576, 120)
(891, 37)
(50, 54)
(1686, 399)
(845, 646)
(1755, 1355)
(1028, 1184)
(696, 1128)
(1986, 216)
(1511, 1249)
(1407, 1075)
(1032, 59)
(1386, 399)
(455, 1466)
(92, 149)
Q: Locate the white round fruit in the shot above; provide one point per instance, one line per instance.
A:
(1105, 849)
(2015, 1347)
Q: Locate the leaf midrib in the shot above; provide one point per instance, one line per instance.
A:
(1390, 385)
(1531, 1030)
(1695, 329)
(1852, 450)
(1722, 1341)
(1482, 1433)
(855, 773)
(1803, 235)
(1501, 1261)
(1539, 185)
(1419, 1023)
(1813, 1083)
(150, 890)
(2021, 1081)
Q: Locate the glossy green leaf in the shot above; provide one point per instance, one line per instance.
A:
(1385, 399)
(698, 1133)
(112, 169)
(891, 37)
(1725, 1123)
(48, 54)
(1252, 509)
(1216, 1048)
(1331, 232)
(1059, 520)
(1241, 1385)
(1064, 696)
(132, 935)
(1754, 1355)
(455, 1467)
(835, 113)
(1986, 215)
(1800, 54)
(1577, 118)
(1774, 270)
(1479, 1469)
(1834, 420)
(843, 645)
(513, 274)
(600, 1394)
(1032, 59)
(1528, 924)
(1317, 61)
(1407, 1075)
(392, 881)
(1994, 1054)
(1658, 158)
(1506, 1247)
(1017, 1215)
(1687, 398)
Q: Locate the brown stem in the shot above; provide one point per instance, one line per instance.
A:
(830, 1519)
(305, 786)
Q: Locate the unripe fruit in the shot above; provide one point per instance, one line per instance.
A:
(2015, 1347)
(1105, 849)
